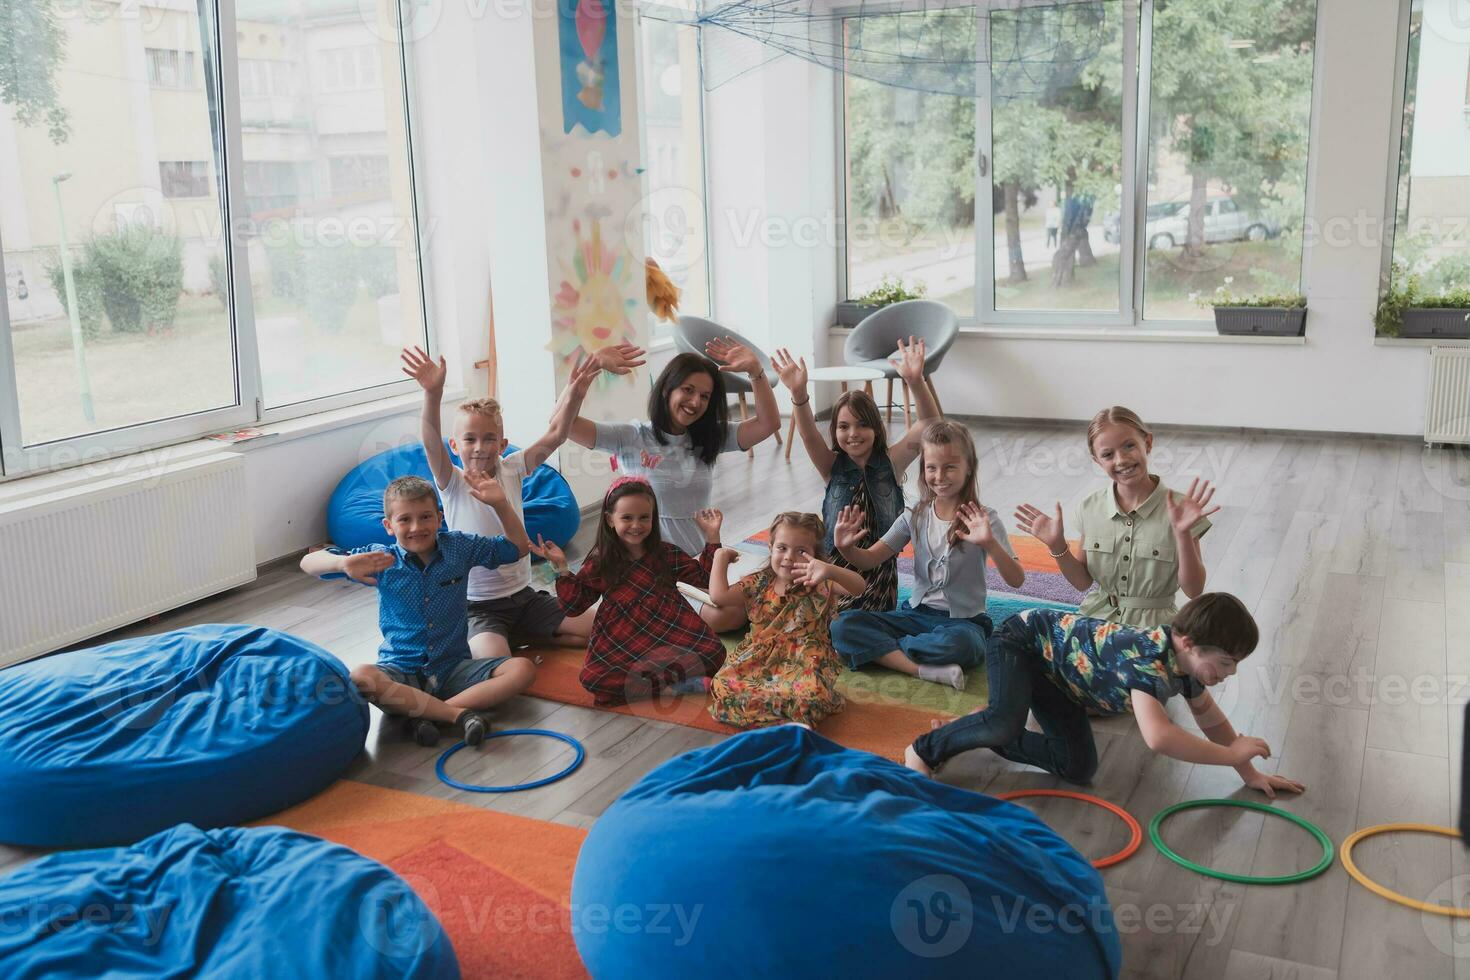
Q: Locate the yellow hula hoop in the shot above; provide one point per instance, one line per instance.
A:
(1379, 890)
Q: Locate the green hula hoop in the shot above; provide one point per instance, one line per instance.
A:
(1323, 839)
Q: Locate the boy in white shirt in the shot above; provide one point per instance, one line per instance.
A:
(504, 611)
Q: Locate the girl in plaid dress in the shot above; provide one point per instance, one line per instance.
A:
(645, 637)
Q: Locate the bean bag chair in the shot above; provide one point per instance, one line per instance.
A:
(355, 512)
(779, 853)
(248, 903)
(210, 725)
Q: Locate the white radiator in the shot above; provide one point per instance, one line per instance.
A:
(1447, 408)
(94, 556)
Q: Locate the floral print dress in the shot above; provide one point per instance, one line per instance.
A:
(785, 669)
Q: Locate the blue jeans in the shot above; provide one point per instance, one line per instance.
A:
(455, 679)
(1019, 684)
(925, 635)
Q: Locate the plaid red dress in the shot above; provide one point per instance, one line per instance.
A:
(645, 636)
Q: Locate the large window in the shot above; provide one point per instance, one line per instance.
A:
(1431, 235)
(675, 231)
(167, 278)
(1135, 157)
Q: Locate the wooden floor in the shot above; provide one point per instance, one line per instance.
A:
(1352, 553)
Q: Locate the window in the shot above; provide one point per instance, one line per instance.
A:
(168, 68)
(672, 119)
(359, 173)
(1112, 203)
(184, 178)
(1431, 233)
(119, 326)
(349, 69)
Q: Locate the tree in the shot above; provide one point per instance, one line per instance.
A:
(32, 45)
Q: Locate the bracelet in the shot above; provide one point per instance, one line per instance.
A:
(1057, 554)
(798, 404)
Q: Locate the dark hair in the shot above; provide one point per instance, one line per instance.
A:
(609, 556)
(861, 405)
(707, 433)
(1218, 619)
(408, 488)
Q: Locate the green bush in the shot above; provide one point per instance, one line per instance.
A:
(89, 294)
(219, 279)
(378, 266)
(891, 290)
(140, 273)
(287, 270)
(331, 281)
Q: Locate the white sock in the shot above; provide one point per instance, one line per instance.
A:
(951, 674)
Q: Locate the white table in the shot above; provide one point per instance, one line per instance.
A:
(841, 374)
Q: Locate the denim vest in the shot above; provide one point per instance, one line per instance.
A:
(883, 491)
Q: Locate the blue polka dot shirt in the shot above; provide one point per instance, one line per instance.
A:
(423, 610)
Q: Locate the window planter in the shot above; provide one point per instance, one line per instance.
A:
(1435, 323)
(1261, 321)
(850, 313)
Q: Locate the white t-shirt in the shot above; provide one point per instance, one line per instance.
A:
(936, 533)
(465, 513)
(682, 483)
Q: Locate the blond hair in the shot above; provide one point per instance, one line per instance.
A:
(487, 407)
(1116, 415)
(947, 433)
(802, 521)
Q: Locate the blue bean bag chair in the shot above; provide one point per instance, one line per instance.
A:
(779, 853)
(355, 512)
(247, 903)
(210, 725)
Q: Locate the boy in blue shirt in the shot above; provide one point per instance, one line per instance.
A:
(424, 668)
(1058, 665)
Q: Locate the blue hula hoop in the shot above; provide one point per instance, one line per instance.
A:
(472, 788)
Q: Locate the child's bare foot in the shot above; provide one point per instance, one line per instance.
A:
(912, 760)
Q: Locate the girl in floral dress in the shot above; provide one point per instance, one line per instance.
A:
(785, 669)
(645, 636)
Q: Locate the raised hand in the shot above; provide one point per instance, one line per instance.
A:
(484, 488)
(1046, 528)
(910, 361)
(1270, 784)
(730, 555)
(810, 572)
(792, 371)
(551, 553)
(583, 374)
(620, 358)
(974, 524)
(733, 355)
(1187, 511)
(709, 521)
(423, 369)
(850, 527)
(365, 567)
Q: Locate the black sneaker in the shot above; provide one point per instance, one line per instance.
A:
(425, 732)
(473, 726)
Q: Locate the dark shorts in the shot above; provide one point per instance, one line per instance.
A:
(445, 685)
(527, 616)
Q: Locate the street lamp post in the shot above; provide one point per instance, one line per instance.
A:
(78, 343)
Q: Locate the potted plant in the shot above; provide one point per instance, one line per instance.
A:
(890, 290)
(1405, 311)
(1283, 315)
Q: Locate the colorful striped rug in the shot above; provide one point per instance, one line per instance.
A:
(885, 709)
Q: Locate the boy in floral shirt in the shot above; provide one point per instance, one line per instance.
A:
(1058, 665)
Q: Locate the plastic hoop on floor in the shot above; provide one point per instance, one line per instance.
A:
(1135, 838)
(472, 788)
(1382, 892)
(1293, 878)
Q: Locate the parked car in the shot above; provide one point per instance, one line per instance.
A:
(1225, 221)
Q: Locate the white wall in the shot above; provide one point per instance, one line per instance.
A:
(783, 167)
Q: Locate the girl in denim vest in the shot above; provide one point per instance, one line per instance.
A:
(861, 469)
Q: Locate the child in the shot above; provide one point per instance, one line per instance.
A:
(945, 627)
(645, 636)
(504, 612)
(424, 667)
(1057, 665)
(785, 669)
(860, 468)
(1139, 539)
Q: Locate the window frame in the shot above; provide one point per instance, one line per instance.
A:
(1137, 105)
(1395, 145)
(220, 79)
